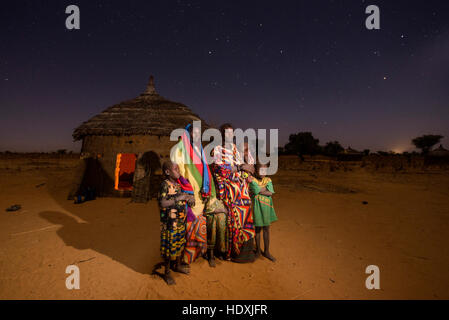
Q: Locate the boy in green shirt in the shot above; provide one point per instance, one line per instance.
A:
(263, 209)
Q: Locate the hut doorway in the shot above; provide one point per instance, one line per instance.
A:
(147, 177)
(124, 171)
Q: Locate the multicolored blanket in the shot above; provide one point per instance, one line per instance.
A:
(193, 167)
(234, 191)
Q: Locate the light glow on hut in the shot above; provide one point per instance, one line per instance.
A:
(124, 171)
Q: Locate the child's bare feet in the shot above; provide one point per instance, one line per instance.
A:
(168, 279)
(211, 258)
(257, 254)
(269, 256)
(221, 256)
(212, 263)
(181, 269)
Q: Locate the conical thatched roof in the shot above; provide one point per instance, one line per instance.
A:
(349, 150)
(148, 114)
(440, 151)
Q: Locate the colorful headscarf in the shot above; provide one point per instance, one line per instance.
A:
(197, 162)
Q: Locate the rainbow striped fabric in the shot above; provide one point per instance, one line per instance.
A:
(195, 162)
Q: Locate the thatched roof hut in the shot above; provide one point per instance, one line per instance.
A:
(438, 156)
(350, 154)
(439, 152)
(124, 145)
(349, 150)
(147, 114)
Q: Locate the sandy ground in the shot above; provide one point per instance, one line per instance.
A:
(324, 240)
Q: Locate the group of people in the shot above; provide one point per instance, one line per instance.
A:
(213, 211)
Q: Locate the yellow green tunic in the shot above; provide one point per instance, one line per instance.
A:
(263, 209)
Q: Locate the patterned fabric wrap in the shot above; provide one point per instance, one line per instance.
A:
(233, 190)
(198, 158)
(196, 239)
(194, 167)
(173, 242)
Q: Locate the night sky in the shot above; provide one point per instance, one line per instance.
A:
(292, 65)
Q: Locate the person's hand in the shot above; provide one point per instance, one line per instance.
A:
(250, 178)
(191, 201)
(182, 197)
(221, 210)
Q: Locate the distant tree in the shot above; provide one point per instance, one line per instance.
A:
(281, 150)
(366, 152)
(426, 142)
(61, 151)
(332, 148)
(302, 143)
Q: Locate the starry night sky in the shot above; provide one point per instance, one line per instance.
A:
(292, 65)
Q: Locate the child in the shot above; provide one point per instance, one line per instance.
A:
(216, 217)
(173, 211)
(263, 210)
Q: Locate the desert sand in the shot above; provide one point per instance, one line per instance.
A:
(324, 239)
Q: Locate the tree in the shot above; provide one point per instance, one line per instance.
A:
(332, 148)
(426, 142)
(302, 143)
(281, 150)
(61, 151)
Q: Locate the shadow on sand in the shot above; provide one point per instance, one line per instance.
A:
(129, 239)
(126, 232)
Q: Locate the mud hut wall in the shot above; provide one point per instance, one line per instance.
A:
(106, 148)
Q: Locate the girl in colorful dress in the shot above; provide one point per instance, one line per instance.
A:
(173, 204)
(263, 209)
